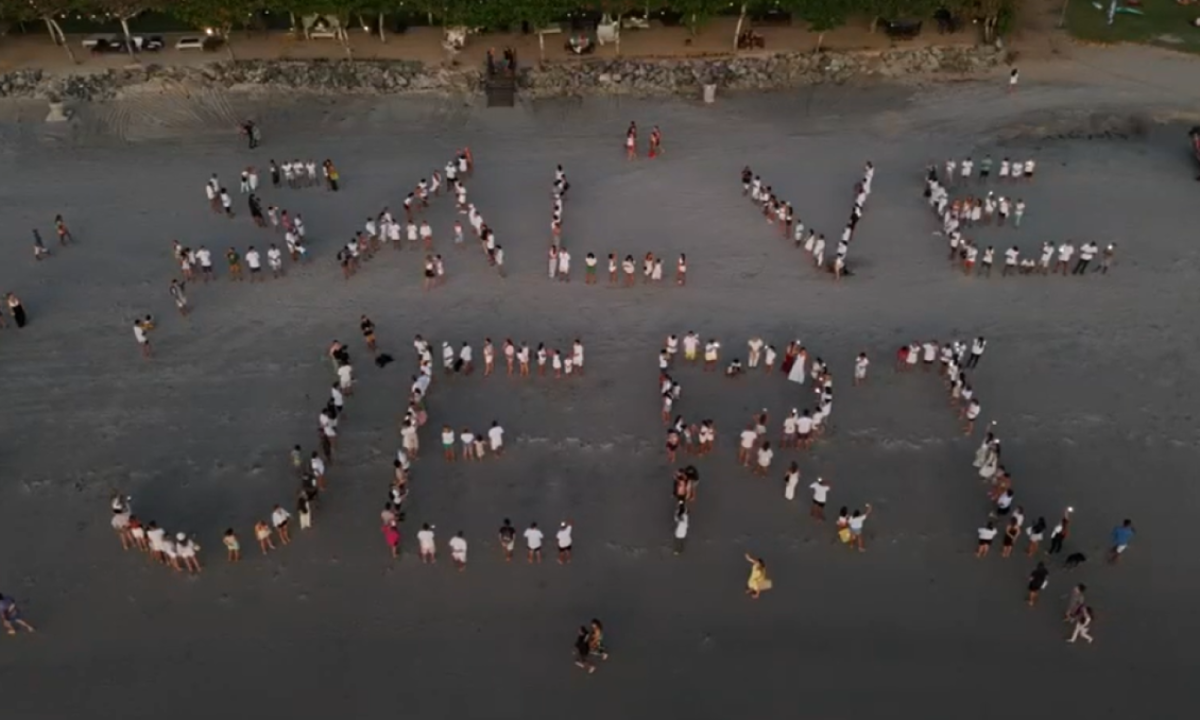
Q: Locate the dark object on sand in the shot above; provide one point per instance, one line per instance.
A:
(902, 29)
(947, 22)
(1075, 559)
(383, 360)
(750, 40)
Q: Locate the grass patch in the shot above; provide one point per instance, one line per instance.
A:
(1165, 23)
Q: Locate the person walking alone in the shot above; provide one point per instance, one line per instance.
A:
(1083, 624)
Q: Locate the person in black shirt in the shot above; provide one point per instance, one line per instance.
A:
(508, 538)
(583, 649)
(1037, 581)
(368, 331)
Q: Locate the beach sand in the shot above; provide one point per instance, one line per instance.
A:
(1091, 380)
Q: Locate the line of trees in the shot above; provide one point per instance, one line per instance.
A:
(225, 16)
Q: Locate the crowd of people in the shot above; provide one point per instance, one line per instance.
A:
(960, 215)
(799, 429)
(1007, 519)
(780, 213)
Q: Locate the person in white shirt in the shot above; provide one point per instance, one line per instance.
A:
(458, 551)
(1029, 165)
(967, 166)
(533, 541)
(496, 438)
(804, 429)
(564, 542)
(748, 438)
(564, 265)
(426, 234)
(141, 333)
(855, 525)
(468, 442)
(765, 454)
(1011, 257)
(254, 262)
(861, 363)
(204, 257)
(318, 469)
(691, 345)
(712, 351)
(987, 534)
(971, 414)
(681, 527)
(274, 261)
(1018, 212)
(820, 496)
(466, 359)
(791, 479)
(1087, 252)
(577, 355)
(788, 437)
(1065, 251)
(426, 545)
(978, 345)
(756, 344)
(279, 519)
(346, 379)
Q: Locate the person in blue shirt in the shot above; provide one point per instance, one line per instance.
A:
(1121, 536)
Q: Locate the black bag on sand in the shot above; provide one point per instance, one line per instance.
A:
(383, 360)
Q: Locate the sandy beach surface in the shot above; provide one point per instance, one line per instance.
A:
(1091, 381)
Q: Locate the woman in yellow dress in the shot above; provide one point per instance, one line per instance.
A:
(758, 581)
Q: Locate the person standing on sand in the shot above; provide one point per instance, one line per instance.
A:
(1011, 532)
(758, 582)
(233, 549)
(820, 496)
(987, 534)
(1013, 77)
(860, 368)
(1038, 580)
(186, 549)
(1122, 535)
(141, 333)
(681, 527)
(426, 544)
(458, 551)
(391, 535)
(262, 532)
(508, 538)
(16, 308)
(279, 519)
(564, 542)
(1060, 532)
(64, 234)
(177, 294)
(533, 540)
(855, 525)
(304, 509)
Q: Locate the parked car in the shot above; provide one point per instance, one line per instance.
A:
(91, 41)
(207, 43)
(116, 43)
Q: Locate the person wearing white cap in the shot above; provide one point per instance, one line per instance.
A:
(186, 549)
(564, 542)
